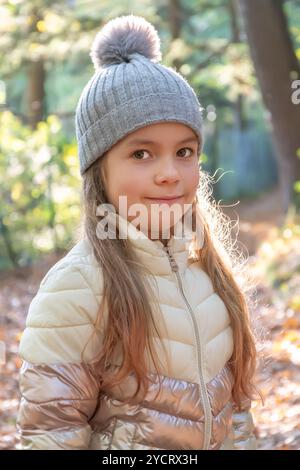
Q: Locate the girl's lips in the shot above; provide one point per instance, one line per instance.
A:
(168, 201)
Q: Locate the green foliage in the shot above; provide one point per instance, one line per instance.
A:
(292, 10)
(40, 194)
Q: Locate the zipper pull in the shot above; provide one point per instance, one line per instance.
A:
(172, 261)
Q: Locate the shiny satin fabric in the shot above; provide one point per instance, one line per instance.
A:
(64, 407)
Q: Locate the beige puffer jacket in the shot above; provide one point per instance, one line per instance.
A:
(63, 405)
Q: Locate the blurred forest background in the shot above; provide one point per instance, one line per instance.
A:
(242, 58)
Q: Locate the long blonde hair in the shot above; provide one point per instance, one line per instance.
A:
(130, 323)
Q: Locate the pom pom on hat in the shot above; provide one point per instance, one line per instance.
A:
(123, 36)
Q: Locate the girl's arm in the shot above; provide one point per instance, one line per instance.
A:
(59, 392)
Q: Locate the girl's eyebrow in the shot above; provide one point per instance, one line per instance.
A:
(151, 142)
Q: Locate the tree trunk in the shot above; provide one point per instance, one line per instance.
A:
(36, 92)
(176, 19)
(8, 243)
(36, 79)
(276, 68)
(240, 116)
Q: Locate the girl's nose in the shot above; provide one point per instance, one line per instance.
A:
(167, 173)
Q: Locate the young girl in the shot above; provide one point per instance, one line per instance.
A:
(139, 338)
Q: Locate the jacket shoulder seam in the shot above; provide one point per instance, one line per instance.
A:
(72, 267)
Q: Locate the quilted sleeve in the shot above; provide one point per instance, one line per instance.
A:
(243, 428)
(59, 392)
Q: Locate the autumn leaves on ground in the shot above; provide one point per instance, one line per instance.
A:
(274, 261)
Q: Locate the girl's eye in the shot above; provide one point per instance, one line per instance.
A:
(187, 148)
(139, 153)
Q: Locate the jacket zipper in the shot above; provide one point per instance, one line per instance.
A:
(204, 394)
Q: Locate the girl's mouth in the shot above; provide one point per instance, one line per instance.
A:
(166, 200)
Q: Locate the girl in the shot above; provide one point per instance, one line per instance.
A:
(140, 337)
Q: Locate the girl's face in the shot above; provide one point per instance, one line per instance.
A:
(156, 161)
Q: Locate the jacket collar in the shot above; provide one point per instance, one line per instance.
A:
(153, 253)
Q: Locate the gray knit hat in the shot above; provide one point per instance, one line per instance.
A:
(130, 89)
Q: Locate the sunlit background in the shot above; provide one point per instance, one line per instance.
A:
(242, 59)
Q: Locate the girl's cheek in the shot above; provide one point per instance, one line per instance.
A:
(134, 183)
(131, 190)
(193, 179)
